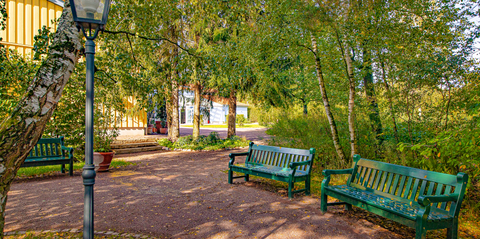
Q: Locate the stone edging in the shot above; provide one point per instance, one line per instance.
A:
(100, 233)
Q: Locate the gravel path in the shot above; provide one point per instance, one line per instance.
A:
(176, 194)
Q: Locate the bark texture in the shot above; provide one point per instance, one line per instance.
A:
(196, 110)
(326, 104)
(347, 59)
(232, 113)
(174, 123)
(24, 127)
(173, 117)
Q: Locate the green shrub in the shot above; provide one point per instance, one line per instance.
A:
(165, 142)
(210, 142)
(240, 120)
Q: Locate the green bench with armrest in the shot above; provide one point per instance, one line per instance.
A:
(50, 151)
(417, 198)
(278, 163)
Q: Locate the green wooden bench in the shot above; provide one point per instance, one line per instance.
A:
(50, 151)
(420, 199)
(281, 164)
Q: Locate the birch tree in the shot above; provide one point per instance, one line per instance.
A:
(21, 130)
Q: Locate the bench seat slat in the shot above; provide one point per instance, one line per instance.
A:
(38, 159)
(271, 169)
(395, 206)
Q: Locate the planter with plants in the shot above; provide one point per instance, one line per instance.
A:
(103, 154)
(163, 129)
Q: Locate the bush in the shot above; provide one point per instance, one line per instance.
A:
(210, 142)
(165, 142)
(240, 120)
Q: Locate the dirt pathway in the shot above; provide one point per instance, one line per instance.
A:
(172, 194)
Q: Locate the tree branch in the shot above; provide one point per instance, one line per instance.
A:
(153, 39)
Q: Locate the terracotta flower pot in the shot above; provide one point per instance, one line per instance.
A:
(102, 161)
(150, 129)
(163, 130)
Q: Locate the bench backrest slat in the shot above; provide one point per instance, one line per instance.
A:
(279, 156)
(407, 184)
(47, 147)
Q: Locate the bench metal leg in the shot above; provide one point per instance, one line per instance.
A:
(348, 207)
(290, 189)
(230, 176)
(323, 202)
(307, 186)
(420, 232)
(247, 177)
(453, 231)
(63, 168)
(71, 169)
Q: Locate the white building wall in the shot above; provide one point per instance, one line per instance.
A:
(218, 112)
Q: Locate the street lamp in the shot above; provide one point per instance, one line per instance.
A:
(91, 17)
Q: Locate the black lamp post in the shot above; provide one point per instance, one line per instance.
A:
(91, 17)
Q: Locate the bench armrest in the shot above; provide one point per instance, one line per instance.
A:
(69, 150)
(294, 165)
(233, 155)
(427, 200)
(328, 172)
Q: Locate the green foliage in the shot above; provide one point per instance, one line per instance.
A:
(210, 142)
(16, 73)
(240, 120)
(166, 143)
(103, 138)
(42, 41)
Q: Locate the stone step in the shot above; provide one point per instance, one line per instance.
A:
(134, 141)
(133, 145)
(137, 150)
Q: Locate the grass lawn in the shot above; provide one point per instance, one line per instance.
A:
(34, 171)
(224, 126)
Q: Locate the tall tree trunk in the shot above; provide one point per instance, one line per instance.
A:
(196, 110)
(374, 114)
(326, 104)
(174, 126)
(232, 113)
(24, 127)
(390, 102)
(347, 59)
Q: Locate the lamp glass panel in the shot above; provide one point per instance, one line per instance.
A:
(90, 9)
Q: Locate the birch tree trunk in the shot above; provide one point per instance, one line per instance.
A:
(326, 104)
(196, 110)
(24, 127)
(347, 59)
(232, 113)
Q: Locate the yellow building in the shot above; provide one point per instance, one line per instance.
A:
(25, 18)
